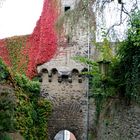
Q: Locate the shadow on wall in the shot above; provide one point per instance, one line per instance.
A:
(64, 135)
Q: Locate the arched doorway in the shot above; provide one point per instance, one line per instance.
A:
(64, 135)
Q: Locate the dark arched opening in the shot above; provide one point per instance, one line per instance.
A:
(84, 70)
(44, 70)
(54, 71)
(75, 71)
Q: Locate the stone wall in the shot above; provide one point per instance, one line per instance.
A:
(69, 100)
(119, 121)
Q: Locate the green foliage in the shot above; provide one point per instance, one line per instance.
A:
(3, 71)
(23, 115)
(7, 106)
(22, 108)
(27, 84)
(104, 49)
(100, 85)
(32, 111)
(42, 117)
(127, 71)
(5, 136)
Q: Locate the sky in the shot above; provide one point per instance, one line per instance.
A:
(19, 17)
(111, 16)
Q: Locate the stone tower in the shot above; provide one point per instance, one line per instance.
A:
(63, 82)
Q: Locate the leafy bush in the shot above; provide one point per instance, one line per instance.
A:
(3, 71)
(43, 109)
(5, 136)
(7, 106)
(100, 86)
(32, 111)
(27, 84)
(22, 108)
(127, 71)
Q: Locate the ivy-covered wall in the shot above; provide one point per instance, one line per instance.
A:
(24, 53)
(22, 110)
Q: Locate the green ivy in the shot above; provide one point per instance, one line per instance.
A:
(42, 118)
(7, 106)
(100, 86)
(22, 109)
(3, 72)
(32, 111)
(5, 136)
(28, 85)
(23, 115)
(127, 70)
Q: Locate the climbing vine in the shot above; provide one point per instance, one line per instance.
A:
(32, 111)
(24, 53)
(127, 72)
(3, 72)
(15, 46)
(21, 107)
(43, 42)
(7, 106)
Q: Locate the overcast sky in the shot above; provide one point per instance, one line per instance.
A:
(18, 17)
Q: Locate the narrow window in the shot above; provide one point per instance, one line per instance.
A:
(66, 8)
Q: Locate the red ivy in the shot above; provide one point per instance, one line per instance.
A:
(42, 43)
(4, 54)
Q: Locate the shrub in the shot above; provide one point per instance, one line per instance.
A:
(3, 71)
(7, 106)
(127, 71)
(5, 136)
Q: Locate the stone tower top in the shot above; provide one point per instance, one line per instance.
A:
(68, 5)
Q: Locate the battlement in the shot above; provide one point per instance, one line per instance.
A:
(63, 74)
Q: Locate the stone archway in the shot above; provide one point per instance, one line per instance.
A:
(67, 116)
(66, 89)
